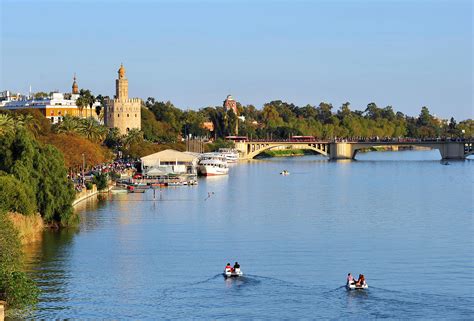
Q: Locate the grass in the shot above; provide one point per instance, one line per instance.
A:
(29, 227)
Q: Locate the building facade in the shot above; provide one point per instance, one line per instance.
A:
(122, 112)
(55, 107)
(230, 104)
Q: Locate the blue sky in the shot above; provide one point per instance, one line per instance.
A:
(401, 53)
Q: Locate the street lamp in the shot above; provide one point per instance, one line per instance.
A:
(83, 166)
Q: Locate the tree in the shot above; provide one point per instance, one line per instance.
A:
(14, 196)
(43, 174)
(7, 124)
(373, 112)
(92, 129)
(41, 95)
(98, 110)
(68, 125)
(133, 136)
(85, 99)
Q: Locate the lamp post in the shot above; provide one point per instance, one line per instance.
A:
(83, 165)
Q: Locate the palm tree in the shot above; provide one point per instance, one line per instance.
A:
(30, 123)
(7, 124)
(68, 125)
(98, 110)
(85, 99)
(133, 136)
(92, 130)
(91, 102)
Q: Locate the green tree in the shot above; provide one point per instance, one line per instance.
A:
(14, 196)
(92, 129)
(7, 124)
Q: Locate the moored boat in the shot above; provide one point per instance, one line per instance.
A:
(212, 164)
(231, 155)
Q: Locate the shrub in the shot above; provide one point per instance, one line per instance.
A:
(16, 288)
(89, 186)
(101, 181)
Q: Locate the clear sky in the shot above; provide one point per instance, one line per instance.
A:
(401, 53)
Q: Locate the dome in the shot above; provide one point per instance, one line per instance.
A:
(121, 71)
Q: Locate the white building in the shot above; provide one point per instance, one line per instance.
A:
(54, 107)
(169, 161)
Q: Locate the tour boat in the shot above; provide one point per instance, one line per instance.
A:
(229, 273)
(231, 154)
(353, 286)
(285, 173)
(212, 164)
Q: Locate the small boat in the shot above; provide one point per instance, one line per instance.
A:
(132, 189)
(353, 286)
(285, 173)
(232, 273)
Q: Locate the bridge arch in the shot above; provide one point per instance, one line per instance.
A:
(254, 149)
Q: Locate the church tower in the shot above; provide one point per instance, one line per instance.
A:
(75, 87)
(122, 112)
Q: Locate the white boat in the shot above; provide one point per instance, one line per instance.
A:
(229, 273)
(231, 154)
(353, 286)
(212, 164)
(285, 173)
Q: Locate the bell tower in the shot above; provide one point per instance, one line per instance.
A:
(75, 87)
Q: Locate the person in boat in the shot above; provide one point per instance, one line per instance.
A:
(350, 279)
(228, 267)
(236, 266)
(361, 280)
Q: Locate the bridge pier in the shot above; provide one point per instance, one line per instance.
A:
(452, 150)
(341, 151)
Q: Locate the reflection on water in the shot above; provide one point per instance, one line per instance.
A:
(403, 219)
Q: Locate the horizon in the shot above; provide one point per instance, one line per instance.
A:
(391, 53)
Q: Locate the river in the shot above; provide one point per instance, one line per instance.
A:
(403, 219)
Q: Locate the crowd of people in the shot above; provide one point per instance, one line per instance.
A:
(120, 167)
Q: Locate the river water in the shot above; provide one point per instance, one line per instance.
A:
(403, 219)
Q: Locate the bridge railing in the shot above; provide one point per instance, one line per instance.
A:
(361, 140)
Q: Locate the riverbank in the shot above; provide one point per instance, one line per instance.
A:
(88, 193)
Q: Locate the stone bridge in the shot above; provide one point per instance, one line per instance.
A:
(348, 150)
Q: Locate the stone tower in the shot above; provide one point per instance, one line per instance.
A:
(231, 104)
(122, 112)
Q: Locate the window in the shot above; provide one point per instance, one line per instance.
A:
(128, 115)
(118, 115)
(135, 115)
